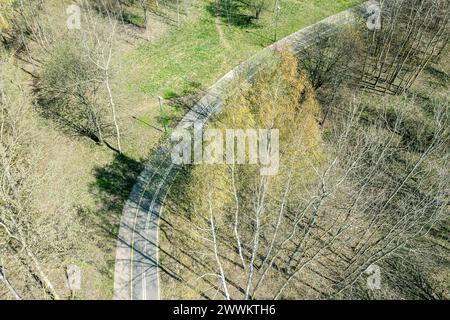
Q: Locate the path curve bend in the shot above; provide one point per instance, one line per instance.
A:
(136, 275)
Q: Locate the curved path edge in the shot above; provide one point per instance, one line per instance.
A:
(136, 275)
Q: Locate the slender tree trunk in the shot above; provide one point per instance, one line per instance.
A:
(236, 216)
(113, 111)
(8, 285)
(48, 285)
(216, 249)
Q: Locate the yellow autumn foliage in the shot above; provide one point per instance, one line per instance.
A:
(5, 8)
(278, 98)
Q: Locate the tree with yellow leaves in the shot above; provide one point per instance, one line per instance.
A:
(236, 218)
(339, 206)
(5, 8)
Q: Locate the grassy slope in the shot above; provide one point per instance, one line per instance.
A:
(201, 50)
(432, 85)
(95, 181)
(196, 53)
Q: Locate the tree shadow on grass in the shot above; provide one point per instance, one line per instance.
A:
(178, 209)
(112, 187)
(233, 13)
(182, 102)
(440, 77)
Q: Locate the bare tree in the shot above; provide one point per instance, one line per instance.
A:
(8, 285)
(313, 230)
(413, 34)
(99, 44)
(16, 212)
(68, 92)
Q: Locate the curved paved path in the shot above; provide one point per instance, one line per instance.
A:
(136, 270)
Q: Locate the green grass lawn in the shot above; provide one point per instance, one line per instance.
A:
(204, 47)
(94, 180)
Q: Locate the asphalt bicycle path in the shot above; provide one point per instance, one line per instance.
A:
(136, 275)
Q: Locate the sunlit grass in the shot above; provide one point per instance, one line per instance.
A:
(196, 55)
